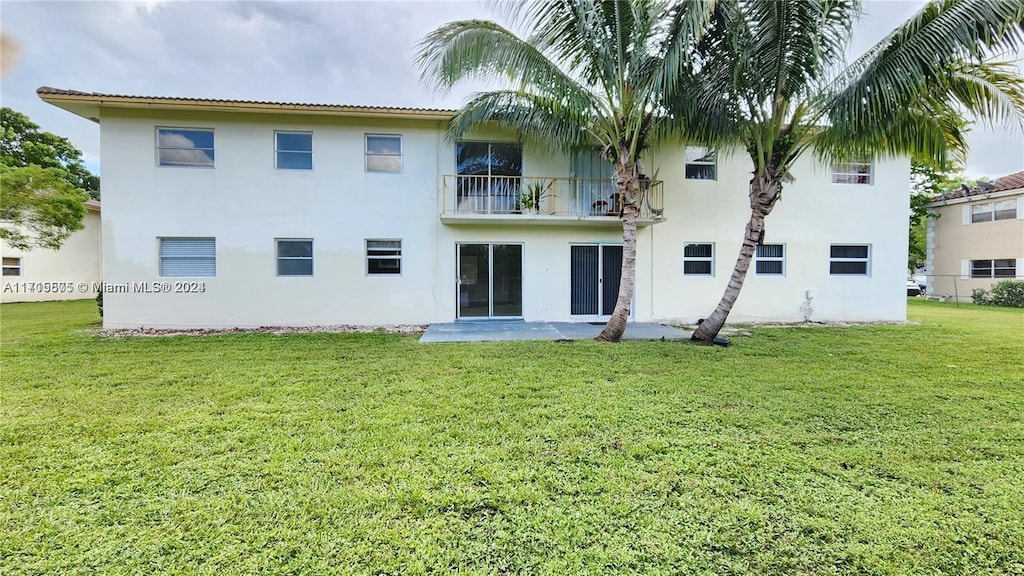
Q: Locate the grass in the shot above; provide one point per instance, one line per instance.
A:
(863, 450)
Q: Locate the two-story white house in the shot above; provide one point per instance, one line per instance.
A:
(221, 213)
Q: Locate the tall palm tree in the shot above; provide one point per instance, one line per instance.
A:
(587, 73)
(772, 76)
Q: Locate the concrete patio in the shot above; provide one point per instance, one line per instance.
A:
(497, 331)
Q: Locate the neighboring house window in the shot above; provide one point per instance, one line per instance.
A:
(698, 260)
(700, 163)
(849, 260)
(294, 257)
(188, 257)
(383, 153)
(770, 260)
(294, 150)
(852, 173)
(383, 257)
(12, 266)
(989, 211)
(1004, 268)
(184, 147)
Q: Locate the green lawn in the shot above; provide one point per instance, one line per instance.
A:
(865, 450)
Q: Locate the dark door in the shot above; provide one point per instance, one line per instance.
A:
(594, 272)
(585, 272)
(611, 274)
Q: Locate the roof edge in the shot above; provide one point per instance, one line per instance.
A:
(73, 100)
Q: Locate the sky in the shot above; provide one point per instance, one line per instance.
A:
(313, 52)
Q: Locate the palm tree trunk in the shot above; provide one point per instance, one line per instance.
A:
(764, 192)
(616, 325)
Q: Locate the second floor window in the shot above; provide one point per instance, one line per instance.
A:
(989, 211)
(700, 164)
(184, 147)
(294, 150)
(859, 172)
(383, 153)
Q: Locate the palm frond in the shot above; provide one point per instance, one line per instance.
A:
(553, 124)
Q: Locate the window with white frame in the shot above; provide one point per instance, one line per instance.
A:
(859, 172)
(699, 259)
(849, 260)
(1002, 268)
(188, 257)
(383, 257)
(989, 211)
(12, 266)
(293, 150)
(294, 256)
(384, 153)
(701, 163)
(770, 260)
(185, 147)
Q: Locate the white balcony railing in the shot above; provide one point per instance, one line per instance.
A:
(524, 196)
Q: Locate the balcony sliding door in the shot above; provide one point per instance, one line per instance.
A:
(489, 175)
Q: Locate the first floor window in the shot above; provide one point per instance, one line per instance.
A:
(294, 150)
(294, 257)
(700, 163)
(698, 259)
(770, 260)
(1002, 268)
(383, 153)
(12, 266)
(849, 259)
(852, 173)
(383, 257)
(188, 257)
(184, 147)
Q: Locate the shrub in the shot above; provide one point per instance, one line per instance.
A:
(980, 296)
(1008, 293)
(1004, 293)
(99, 300)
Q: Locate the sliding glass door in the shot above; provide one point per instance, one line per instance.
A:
(490, 280)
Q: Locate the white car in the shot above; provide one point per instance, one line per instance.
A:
(913, 289)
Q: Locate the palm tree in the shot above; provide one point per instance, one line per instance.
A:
(587, 73)
(772, 78)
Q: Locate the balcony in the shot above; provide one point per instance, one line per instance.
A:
(540, 200)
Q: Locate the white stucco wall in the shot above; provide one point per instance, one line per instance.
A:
(812, 215)
(245, 203)
(57, 274)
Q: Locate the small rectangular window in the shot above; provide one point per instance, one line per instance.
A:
(852, 173)
(1005, 209)
(698, 260)
(981, 213)
(700, 163)
(383, 257)
(1001, 268)
(12, 266)
(294, 257)
(294, 150)
(188, 257)
(383, 153)
(770, 260)
(849, 260)
(185, 147)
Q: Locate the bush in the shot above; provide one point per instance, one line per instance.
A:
(99, 300)
(1004, 293)
(980, 296)
(1008, 293)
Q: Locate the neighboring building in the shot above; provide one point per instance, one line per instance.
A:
(264, 213)
(976, 237)
(42, 274)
